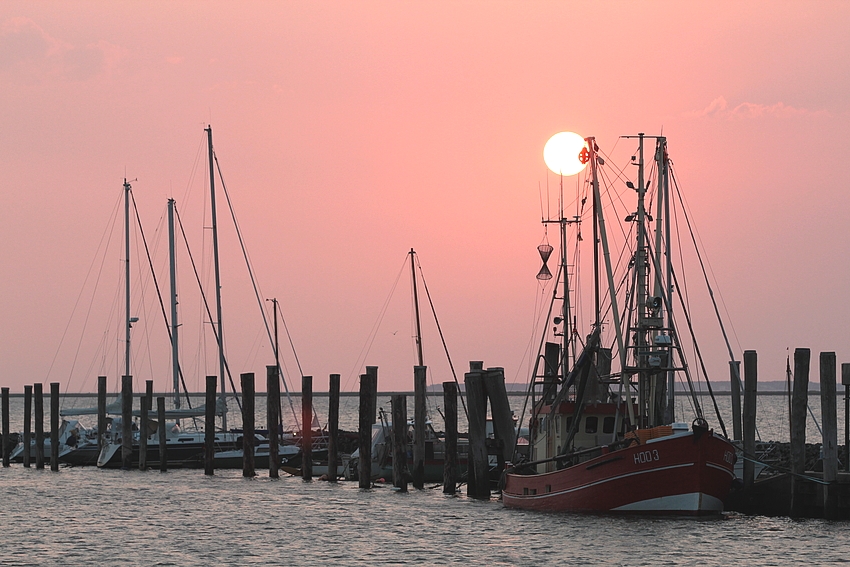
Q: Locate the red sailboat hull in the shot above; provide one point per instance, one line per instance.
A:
(689, 473)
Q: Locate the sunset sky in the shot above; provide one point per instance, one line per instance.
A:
(350, 132)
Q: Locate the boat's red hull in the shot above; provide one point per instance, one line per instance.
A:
(681, 474)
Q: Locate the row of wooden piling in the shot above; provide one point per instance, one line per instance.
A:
(744, 428)
(34, 393)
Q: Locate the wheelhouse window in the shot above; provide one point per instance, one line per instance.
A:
(608, 424)
(591, 424)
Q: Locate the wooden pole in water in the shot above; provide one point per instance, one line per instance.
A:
(419, 386)
(399, 409)
(146, 406)
(845, 380)
(750, 389)
(333, 426)
(27, 440)
(163, 448)
(38, 394)
(307, 427)
(54, 426)
(364, 465)
(248, 385)
(126, 422)
(209, 427)
(478, 465)
(500, 408)
(735, 380)
(372, 372)
(101, 412)
(830, 435)
(273, 419)
(4, 392)
(248, 418)
(450, 464)
(799, 404)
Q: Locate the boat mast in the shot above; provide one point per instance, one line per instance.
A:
(128, 321)
(612, 289)
(217, 276)
(665, 285)
(418, 337)
(172, 265)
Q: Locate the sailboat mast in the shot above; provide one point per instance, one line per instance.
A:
(172, 265)
(217, 274)
(127, 323)
(418, 337)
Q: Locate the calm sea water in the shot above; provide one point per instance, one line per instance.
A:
(87, 516)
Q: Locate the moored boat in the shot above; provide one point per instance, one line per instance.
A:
(603, 439)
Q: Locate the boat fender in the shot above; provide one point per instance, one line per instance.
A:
(700, 427)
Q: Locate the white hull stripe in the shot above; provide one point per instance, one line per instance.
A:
(718, 467)
(695, 501)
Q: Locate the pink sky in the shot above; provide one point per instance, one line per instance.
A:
(350, 132)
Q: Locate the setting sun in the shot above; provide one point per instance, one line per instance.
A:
(561, 153)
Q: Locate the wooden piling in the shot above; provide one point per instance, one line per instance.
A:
(101, 412)
(38, 395)
(845, 381)
(146, 406)
(372, 372)
(7, 449)
(419, 386)
(248, 418)
(450, 463)
(163, 447)
(478, 467)
(307, 427)
(830, 435)
(27, 440)
(209, 427)
(54, 426)
(735, 380)
(500, 409)
(399, 409)
(749, 417)
(799, 405)
(273, 419)
(126, 422)
(364, 465)
(333, 426)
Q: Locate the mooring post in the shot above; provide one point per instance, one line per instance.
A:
(126, 422)
(372, 372)
(101, 412)
(845, 380)
(209, 427)
(478, 467)
(27, 440)
(830, 435)
(7, 449)
(273, 419)
(54, 426)
(307, 427)
(248, 417)
(399, 409)
(364, 464)
(500, 408)
(163, 448)
(333, 426)
(419, 386)
(750, 392)
(735, 380)
(38, 395)
(450, 463)
(146, 406)
(799, 404)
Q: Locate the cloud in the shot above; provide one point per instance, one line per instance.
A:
(28, 51)
(719, 109)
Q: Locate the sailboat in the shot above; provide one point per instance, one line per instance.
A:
(608, 441)
(184, 447)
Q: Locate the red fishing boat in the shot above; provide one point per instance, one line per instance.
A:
(606, 440)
